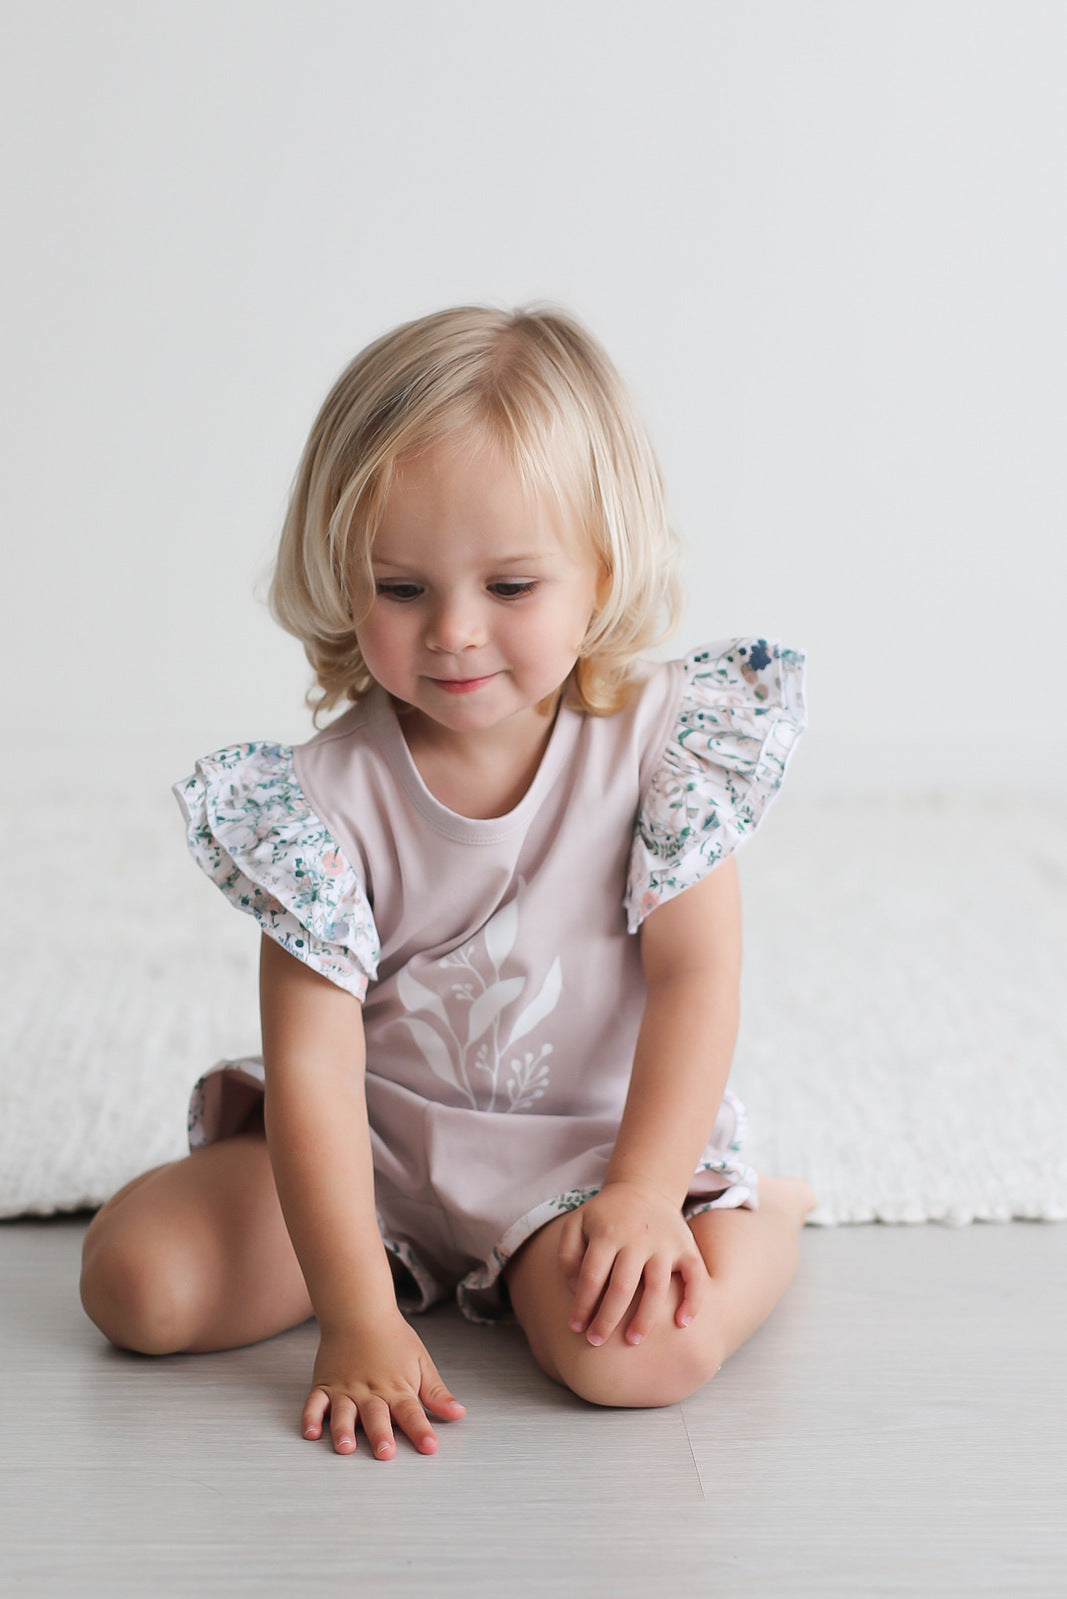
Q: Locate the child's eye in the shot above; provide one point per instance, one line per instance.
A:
(397, 591)
(511, 591)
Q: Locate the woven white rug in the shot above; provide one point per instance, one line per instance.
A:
(904, 1044)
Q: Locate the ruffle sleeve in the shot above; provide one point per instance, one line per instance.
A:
(252, 831)
(739, 718)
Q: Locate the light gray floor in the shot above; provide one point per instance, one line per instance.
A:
(896, 1428)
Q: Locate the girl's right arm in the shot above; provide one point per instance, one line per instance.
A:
(371, 1367)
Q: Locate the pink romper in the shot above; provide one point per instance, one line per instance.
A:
(502, 990)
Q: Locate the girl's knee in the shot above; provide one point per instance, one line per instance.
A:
(665, 1368)
(669, 1364)
(645, 1377)
(135, 1291)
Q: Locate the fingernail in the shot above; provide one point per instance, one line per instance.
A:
(595, 1339)
(685, 1319)
(634, 1338)
(384, 1447)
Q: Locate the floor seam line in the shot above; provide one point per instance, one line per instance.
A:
(693, 1455)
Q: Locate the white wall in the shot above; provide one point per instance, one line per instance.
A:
(825, 242)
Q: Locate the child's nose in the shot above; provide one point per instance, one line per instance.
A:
(456, 624)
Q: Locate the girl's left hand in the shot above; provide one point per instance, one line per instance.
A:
(620, 1239)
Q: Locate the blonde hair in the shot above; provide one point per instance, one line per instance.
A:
(538, 387)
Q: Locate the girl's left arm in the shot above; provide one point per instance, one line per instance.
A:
(633, 1233)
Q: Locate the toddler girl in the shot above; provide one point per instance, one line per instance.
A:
(501, 930)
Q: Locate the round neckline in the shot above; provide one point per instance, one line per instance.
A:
(473, 829)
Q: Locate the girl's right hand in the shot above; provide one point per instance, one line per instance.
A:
(373, 1373)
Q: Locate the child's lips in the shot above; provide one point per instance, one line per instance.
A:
(461, 685)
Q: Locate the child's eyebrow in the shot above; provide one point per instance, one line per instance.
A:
(534, 559)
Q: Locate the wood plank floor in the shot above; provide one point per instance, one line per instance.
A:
(896, 1428)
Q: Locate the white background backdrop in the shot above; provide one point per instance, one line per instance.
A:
(825, 242)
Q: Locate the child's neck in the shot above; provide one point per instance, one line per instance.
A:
(479, 775)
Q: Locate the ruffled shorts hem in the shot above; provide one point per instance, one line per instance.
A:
(480, 1294)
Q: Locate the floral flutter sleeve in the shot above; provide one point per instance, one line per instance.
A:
(251, 829)
(739, 719)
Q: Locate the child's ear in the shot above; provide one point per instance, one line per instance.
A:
(603, 588)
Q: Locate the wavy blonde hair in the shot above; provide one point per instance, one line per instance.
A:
(538, 387)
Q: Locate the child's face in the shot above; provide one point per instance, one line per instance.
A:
(481, 600)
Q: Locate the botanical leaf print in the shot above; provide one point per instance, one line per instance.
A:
(528, 1078)
(487, 1006)
(542, 1006)
(461, 1031)
(435, 1051)
(415, 996)
(500, 933)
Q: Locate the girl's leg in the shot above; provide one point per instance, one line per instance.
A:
(194, 1256)
(750, 1255)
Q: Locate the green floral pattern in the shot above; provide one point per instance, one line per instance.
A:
(251, 829)
(741, 714)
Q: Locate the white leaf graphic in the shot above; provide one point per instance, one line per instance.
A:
(414, 997)
(487, 1006)
(500, 933)
(542, 1006)
(435, 1050)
